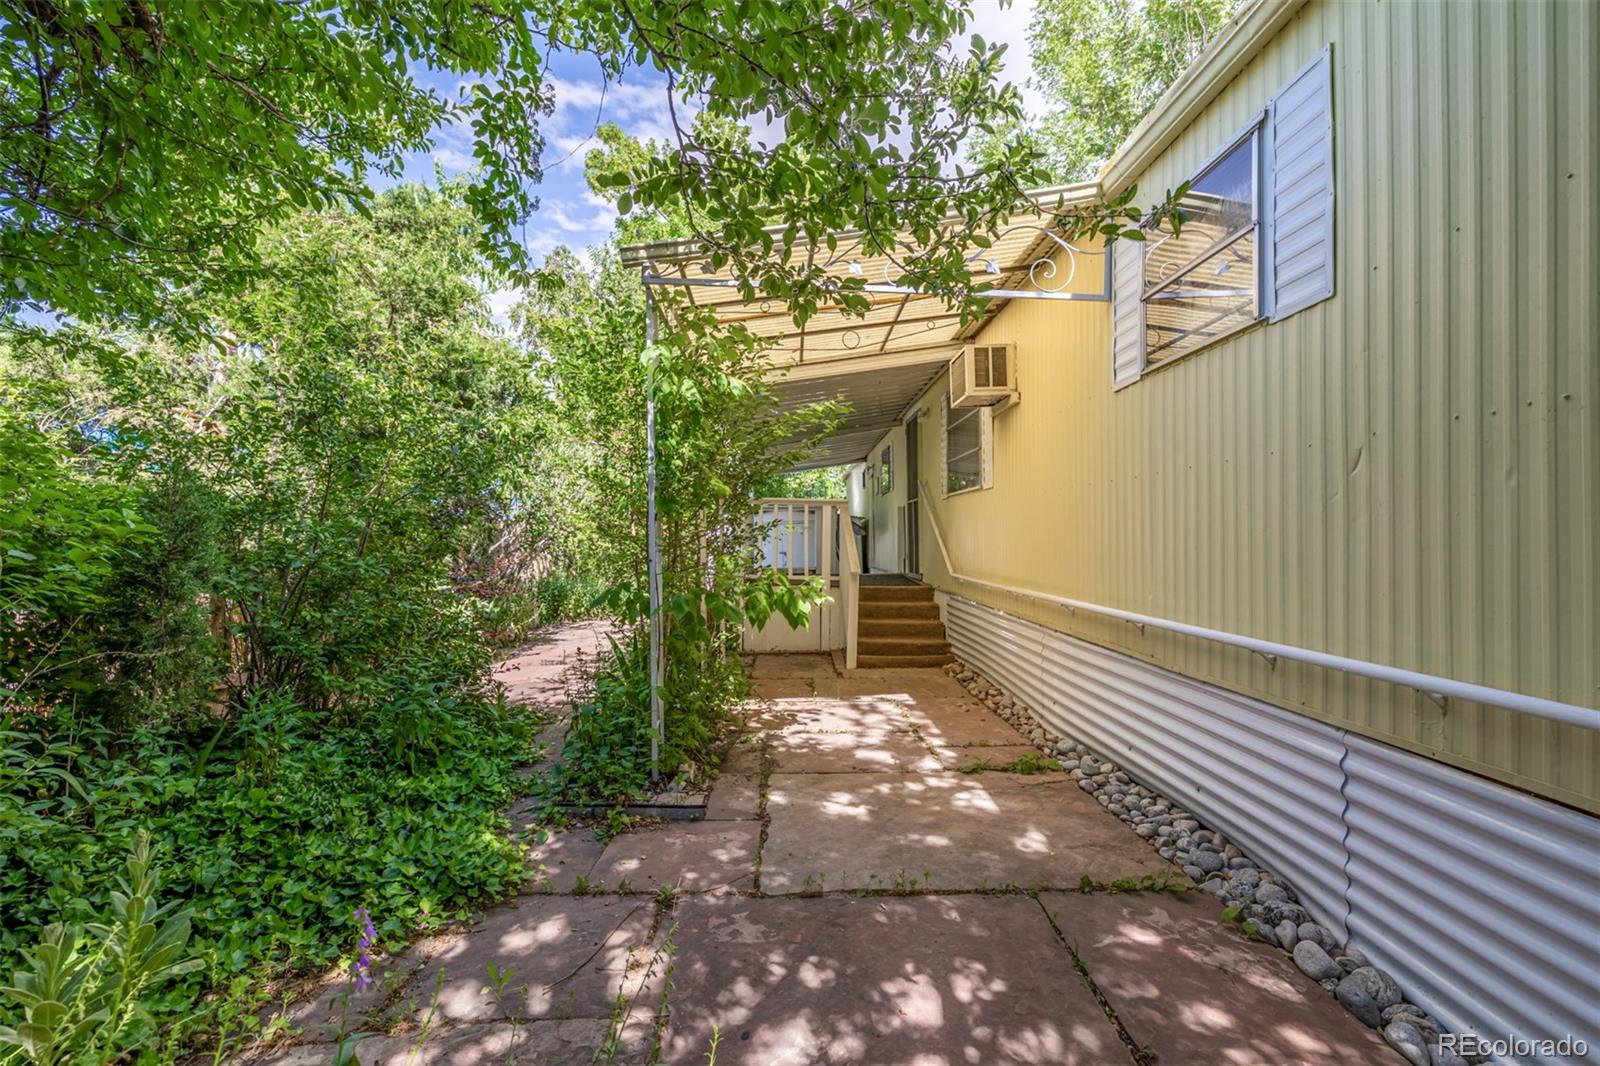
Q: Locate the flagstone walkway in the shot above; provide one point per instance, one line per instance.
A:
(866, 887)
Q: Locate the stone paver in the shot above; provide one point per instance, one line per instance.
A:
(969, 979)
(982, 758)
(860, 777)
(960, 724)
(878, 751)
(567, 956)
(1193, 990)
(685, 856)
(564, 858)
(544, 672)
(942, 831)
(734, 797)
(535, 1043)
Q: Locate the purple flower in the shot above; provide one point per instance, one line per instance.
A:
(361, 971)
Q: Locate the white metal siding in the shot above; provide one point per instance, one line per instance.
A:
(1465, 890)
(1484, 902)
(1300, 190)
(1127, 313)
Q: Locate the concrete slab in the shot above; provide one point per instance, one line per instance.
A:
(791, 666)
(773, 688)
(926, 684)
(970, 979)
(686, 856)
(1193, 990)
(734, 797)
(535, 1043)
(878, 751)
(984, 758)
(564, 857)
(547, 671)
(743, 757)
(860, 714)
(942, 831)
(332, 1006)
(960, 723)
(567, 956)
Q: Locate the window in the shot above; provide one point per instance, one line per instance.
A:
(1200, 285)
(963, 447)
(1257, 240)
(886, 471)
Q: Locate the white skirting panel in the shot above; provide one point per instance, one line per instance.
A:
(1482, 901)
(823, 631)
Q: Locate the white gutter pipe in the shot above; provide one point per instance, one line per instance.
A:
(1436, 688)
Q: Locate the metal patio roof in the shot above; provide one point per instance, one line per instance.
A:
(880, 362)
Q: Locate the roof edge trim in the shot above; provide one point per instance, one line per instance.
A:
(1240, 40)
(684, 249)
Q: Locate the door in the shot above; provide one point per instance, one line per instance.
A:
(913, 475)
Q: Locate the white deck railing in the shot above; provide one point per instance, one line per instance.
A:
(814, 538)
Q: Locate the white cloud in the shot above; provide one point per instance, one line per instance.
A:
(453, 159)
(501, 301)
(573, 219)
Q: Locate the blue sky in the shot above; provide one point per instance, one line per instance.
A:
(568, 212)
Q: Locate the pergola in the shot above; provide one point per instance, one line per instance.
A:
(879, 362)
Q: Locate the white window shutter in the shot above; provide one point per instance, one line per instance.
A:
(1127, 312)
(1300, 190)
(986, 448)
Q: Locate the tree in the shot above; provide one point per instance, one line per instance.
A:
(1103, 64)
(314, 476)
(147, 145)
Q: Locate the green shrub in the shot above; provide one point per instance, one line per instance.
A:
(607, 753)
(279, 825)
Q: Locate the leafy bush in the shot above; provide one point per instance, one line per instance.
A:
(279, 827)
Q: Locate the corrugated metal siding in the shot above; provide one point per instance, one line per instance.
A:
(1408, 472)
(1463, 888)
(1482, 901)
(1269, 778)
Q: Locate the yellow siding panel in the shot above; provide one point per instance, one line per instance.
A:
(1407, 473)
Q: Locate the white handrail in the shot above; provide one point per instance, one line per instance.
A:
(849, 585)
(1438, 688)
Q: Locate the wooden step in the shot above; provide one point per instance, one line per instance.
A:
(903, 662)
(896, 593)
(899, 646)
(901, 627)
(903, 609)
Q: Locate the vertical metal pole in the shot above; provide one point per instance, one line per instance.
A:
(653, 544)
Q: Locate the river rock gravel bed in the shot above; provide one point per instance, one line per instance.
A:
(1266, 907)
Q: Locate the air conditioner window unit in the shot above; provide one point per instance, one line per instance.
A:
(984, 375)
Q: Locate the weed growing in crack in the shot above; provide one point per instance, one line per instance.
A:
(1166, 881)
(498, 981)
(1033, 762)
